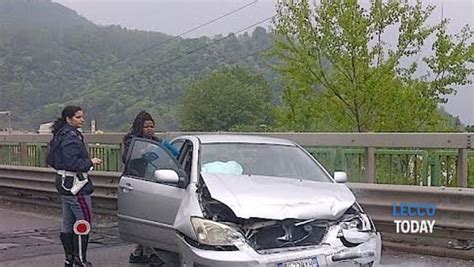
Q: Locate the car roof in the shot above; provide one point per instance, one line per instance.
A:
(241, 138)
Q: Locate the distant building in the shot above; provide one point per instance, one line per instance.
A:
(45, 128)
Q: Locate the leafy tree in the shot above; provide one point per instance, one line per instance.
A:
(343, 76)
(229, 99)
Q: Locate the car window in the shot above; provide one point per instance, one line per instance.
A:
(186, 157)
(146, 157)
(284, 161)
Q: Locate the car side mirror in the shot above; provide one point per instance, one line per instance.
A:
(340, 177)
(166, 176)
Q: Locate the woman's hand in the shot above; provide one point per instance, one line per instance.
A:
(96, 161)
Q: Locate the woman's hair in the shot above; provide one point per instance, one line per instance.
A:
(68, 112)
(137, 126)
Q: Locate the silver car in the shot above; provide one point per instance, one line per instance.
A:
(240, 200)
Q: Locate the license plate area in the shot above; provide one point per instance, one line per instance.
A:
(307, 262)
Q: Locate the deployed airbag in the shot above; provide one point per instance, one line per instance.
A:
(219, 167)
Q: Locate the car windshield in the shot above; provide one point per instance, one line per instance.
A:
(260, 159)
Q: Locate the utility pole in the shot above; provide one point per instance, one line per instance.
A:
(9, 114)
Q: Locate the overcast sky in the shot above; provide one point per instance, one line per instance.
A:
(177, 16)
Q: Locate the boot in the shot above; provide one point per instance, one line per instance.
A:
(68, 244)
(78, 261)
(138, 255)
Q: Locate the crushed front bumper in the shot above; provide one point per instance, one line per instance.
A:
(365, 254)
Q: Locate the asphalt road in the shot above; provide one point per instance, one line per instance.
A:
(29, 239)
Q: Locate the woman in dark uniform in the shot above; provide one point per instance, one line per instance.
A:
(68, 155)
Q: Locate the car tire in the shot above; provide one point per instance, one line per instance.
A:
(155, 261)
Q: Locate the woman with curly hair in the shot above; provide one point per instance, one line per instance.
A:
(143, 127)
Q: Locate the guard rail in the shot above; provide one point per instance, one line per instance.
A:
(453, 233)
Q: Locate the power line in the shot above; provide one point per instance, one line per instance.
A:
(190, 30)
(213, 42)
(140, 52)
(178, 57)
(233, 61)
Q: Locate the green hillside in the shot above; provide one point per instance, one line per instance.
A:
(50, 56)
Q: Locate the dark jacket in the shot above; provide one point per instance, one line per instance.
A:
(127, 139)
(68, 152)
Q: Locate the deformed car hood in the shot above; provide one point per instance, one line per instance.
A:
(279, 198)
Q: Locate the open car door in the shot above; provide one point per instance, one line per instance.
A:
(147, 203)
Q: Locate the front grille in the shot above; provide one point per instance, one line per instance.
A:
(286, 234)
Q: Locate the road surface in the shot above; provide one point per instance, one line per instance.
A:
(29, 239)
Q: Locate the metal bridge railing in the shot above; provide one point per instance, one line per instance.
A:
(397, 166)
(406, 159)
(35, 155)
(111, 156)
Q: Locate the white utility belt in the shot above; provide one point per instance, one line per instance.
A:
(77, 183)
(66, 173)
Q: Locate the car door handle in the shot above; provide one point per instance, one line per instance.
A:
(126, 187)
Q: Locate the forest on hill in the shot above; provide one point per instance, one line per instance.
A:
(50, 56)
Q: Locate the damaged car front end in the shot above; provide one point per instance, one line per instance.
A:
(225, 239)
(275, 205)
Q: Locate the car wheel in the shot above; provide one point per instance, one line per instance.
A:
(155, 261)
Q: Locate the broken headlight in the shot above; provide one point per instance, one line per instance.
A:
(356, 230)
(213, 233)
(359, 222)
